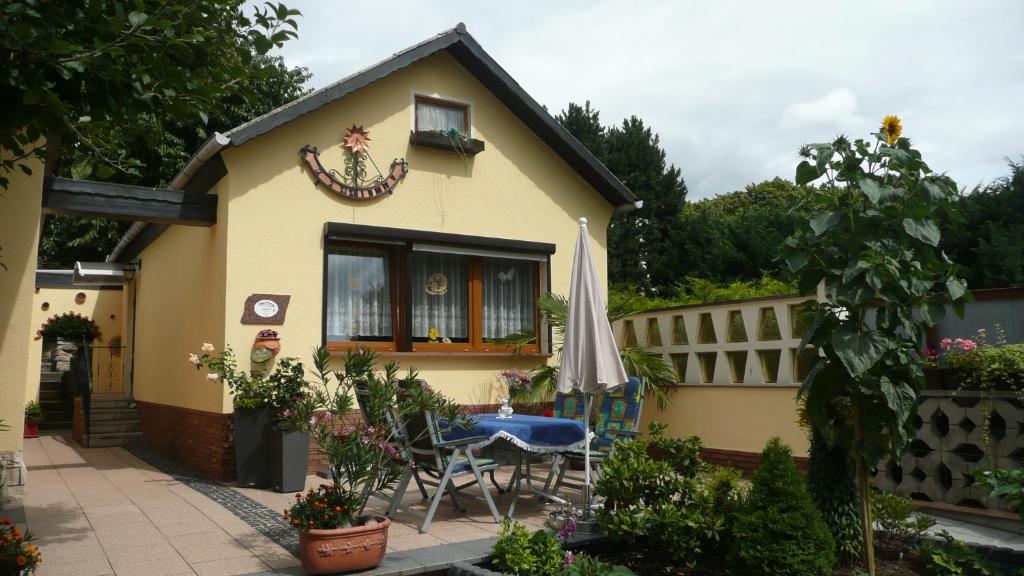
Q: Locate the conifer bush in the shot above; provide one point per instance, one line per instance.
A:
(779, 531)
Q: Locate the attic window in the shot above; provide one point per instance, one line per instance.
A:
(433, 115)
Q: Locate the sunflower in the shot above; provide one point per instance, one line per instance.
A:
(892, 128)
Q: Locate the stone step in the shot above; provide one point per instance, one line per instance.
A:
(46, 376)
(113, 414)
(51, 395)
(112, 439)
(113, 426)
(50, 424)
(52, 386)
(110, 401)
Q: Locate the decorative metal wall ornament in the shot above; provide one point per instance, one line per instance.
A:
(352, 182)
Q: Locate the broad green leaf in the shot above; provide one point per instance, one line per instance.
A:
(823, 221)
(797, 260)
(934, 191)
(137, 18)
(956, 288)
(899, 397)
(924, 230)
(858, 351)
(871, 189)
(806, 173)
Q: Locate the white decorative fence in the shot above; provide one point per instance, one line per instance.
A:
(743, 343)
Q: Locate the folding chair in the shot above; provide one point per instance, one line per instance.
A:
(444, 461)
(618, 417)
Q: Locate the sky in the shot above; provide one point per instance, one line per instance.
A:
(732, 88)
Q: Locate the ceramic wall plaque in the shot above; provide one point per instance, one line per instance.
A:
(265, 308)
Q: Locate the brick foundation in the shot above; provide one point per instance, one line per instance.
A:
(203, 441)
(746, 462)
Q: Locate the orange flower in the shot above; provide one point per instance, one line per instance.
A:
(22, 560)
(337, 508)
(296, 523)
(4, 522)
(310, 522)
(31, 549)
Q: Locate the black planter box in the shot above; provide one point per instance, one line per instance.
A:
(252, 465)
(470, 146)
(289, 456)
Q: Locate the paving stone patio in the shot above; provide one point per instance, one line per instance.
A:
(104, 511)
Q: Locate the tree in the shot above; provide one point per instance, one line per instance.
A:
(736, 236)
(871, 247)
(67, 239)
(988, 239)
(640, 240)
(96, 75)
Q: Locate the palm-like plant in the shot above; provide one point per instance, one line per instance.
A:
(637, 361)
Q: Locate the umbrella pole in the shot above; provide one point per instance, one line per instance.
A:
(586, 452)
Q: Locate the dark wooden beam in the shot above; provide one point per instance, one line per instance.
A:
(124, 202)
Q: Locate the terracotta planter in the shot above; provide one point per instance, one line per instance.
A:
(343, 549)
(31, 429)
(272, 343)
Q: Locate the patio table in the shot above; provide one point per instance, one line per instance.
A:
(525, 434)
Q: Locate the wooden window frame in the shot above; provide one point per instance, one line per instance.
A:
(401, 300)
(441, 103)
(396, 259)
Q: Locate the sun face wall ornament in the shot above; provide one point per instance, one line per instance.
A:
(352, 182)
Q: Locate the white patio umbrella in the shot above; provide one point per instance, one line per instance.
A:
(590, 359)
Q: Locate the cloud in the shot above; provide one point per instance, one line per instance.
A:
(837, 108)
(732, 88)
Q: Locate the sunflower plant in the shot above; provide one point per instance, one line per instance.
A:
(870, 249)
(17, 555)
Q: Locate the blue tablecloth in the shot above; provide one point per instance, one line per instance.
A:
(530, 433)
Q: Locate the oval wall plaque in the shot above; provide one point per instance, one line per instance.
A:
(265, 308)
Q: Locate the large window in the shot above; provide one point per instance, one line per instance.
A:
(432, 298)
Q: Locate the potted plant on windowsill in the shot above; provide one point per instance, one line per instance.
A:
(289, 434)
(251, 396)
(335, 535)
(33, 417)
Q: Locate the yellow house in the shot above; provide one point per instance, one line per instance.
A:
(418, 207)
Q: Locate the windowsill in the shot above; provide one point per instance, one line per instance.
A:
(430, 139)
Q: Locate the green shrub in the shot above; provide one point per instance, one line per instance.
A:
(830, 481)
(33, 412)
(586, 565)
(954, 558)
(662, 517)
(725, 487)
(897, 527)
(682, 454)
(523, 554)
(70, 326)
(779, 531)
(1006, 485)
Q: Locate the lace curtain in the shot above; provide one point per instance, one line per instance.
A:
(439, 289)
(358, 294)
(508, 299)
(433, 117)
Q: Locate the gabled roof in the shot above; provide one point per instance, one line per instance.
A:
(465, 49)
(199, 174)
